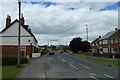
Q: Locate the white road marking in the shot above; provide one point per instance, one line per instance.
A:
(92, 75)
(108, 76)
(71, 60)
(64, 60)
(84, 66)
(73, 66)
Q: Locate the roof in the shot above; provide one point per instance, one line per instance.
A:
(22, 26)
(95, 40)
(107, 35)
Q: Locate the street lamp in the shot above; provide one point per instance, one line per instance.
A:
(87, 38)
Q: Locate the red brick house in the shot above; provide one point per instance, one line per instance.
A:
(95, 45)
(9, 37)
(109, 43)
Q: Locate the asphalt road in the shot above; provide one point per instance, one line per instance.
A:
(61, 65)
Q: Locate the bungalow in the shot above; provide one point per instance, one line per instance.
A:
(9, 37)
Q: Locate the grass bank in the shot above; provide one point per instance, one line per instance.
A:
(106, 61)
(11, 71)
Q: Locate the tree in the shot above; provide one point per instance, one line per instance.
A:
(75, 44)
(85, 46)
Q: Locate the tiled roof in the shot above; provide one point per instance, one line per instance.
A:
(107, 35)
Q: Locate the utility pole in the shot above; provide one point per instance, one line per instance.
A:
(87, 38)
(19, 3)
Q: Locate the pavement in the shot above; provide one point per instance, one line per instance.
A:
(63, 66)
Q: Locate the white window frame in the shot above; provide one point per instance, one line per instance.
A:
(105, 42)
(105, 50)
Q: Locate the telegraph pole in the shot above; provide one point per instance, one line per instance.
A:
(19, 3)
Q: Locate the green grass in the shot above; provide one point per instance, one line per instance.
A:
(115, 63)
(0, 71)
(11, 71)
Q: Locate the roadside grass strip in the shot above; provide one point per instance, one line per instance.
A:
(11, 71)
(115, 63)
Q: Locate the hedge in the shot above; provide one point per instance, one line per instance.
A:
(12, 60)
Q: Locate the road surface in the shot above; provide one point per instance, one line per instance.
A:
(63, 65)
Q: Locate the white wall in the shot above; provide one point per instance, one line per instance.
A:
(10, 36)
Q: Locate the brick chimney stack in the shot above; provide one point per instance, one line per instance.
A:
(8, 20)
(22, 20)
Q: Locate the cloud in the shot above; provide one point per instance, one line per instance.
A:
(58, 25)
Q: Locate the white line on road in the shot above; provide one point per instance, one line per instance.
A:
(64, 60)
(94, 77)
(73, 66)
(108, 76)
(92, 74)
(84, 66)
(71, 60)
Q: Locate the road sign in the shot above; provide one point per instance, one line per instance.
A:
(22, 48)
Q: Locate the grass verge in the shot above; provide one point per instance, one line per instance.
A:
(11, 71)
(115, 63)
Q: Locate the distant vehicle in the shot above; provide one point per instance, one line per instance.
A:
(51, 53)
(61, 51)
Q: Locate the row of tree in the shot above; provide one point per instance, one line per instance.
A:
(77, 45)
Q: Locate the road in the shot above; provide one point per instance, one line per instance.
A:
(63, 65)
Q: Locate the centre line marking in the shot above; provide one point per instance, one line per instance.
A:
(84, 66)
(94, 77)
(73, 66)
(108, 76)
(64, 60)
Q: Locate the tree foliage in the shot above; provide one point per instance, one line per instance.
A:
(77, 45)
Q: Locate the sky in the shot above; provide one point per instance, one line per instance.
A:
(58, 21)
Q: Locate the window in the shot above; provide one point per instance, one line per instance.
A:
(93, 44)
(105, 49)
(114, 40)
(119, 39)
(115, 50)
(104, 41)
(100, 42)
(96, 44)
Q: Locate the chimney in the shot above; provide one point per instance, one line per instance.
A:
(22, 20)
(116, 29)
(99, 36)
(8, 21)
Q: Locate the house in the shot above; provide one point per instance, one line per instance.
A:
(95, 45)
(9, 37)
(109, 43)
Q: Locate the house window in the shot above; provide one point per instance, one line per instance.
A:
(93, 44)
(96, 44)
(114, 40)
(115, 50)
(119, 39)
(100, 42)
(104, 41)
(105, 49)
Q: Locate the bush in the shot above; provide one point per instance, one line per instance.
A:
(12, 60)
(96, 54)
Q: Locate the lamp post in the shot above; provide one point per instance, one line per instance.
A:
(19, 32)
(87, 38)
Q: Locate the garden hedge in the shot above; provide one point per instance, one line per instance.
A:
(12, 60)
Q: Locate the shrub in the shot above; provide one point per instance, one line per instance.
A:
(12, 60)
(96, 54)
